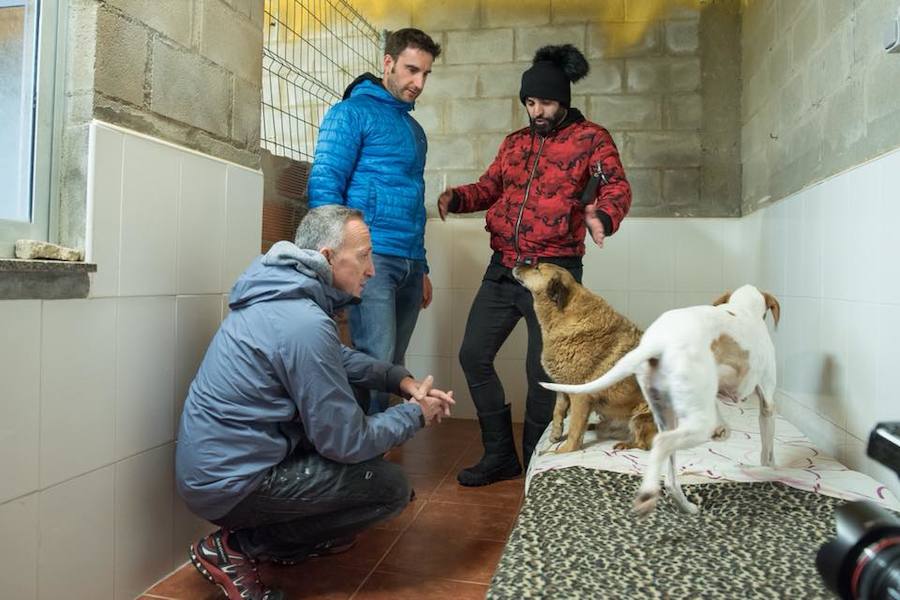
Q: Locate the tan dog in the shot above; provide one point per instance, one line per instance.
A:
(583, 337)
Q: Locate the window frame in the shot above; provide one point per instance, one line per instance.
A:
(49, 95)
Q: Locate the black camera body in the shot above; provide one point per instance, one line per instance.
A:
(863, 561)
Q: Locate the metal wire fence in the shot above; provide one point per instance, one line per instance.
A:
(312, 50)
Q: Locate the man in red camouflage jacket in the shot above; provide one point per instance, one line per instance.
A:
(533, 193)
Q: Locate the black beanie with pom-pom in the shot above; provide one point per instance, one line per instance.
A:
(553, 71)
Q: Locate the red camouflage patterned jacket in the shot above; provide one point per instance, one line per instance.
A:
(532, 190)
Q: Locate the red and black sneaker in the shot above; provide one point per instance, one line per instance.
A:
(233, 572)
(328, 548)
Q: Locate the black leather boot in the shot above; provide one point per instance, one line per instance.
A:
(531, 435)
(500, 460)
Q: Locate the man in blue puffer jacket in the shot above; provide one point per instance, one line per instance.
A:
(272, 445)
(371, 156)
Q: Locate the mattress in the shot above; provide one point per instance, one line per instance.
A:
(756, 535)
(798, 464)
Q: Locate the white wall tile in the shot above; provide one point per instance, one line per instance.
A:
(803, 269)
(20, 358)
(699, 256)
(773, 249)
(826, 436)
(201, 225)
(645, 307)
(797, 344)
(684, 299)
(149, 218)
(856, 233)
(471, 252)
(854, 456)
(866, 328)
(618, 299)
(439, 251)
(433, 335)
(104, 208)
(243, 229)
(196, 320)
(78, 370)
(187, 528)
(436, 366)
(145, 390)
(651, 255)
(76, 538)
(144, 494)
(742, 249)
(607, 267)
(887, 236)
(19, 550)
(887, 403)
(821, 372)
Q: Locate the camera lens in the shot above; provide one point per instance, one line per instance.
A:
(877, 571)
(863, 561)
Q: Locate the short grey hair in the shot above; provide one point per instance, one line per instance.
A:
(323, 226)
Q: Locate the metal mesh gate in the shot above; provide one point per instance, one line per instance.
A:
(312, 50)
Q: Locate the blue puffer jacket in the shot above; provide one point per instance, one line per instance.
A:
(276, 377)
(371, 156)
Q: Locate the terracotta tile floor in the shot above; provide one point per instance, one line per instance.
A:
(446, 544)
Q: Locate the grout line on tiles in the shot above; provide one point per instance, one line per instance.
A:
(387, 551)
(453, 579)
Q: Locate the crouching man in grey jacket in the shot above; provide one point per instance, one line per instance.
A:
(273, 447)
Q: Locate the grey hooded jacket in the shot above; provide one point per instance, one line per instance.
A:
(275, 377)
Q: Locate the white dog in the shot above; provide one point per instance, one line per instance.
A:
(687, 358)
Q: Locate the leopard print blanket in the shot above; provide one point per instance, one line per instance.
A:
(576, 538)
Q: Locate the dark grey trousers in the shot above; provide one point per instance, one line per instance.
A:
(307, 500)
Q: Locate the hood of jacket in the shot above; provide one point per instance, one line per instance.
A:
(288, 272)
(370, 85)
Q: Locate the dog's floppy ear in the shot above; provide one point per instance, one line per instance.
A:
(557, 292)
(772, 304)
(723, 299)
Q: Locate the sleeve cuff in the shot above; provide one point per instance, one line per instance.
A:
(454, 203)
(607, 223)
(395, 375)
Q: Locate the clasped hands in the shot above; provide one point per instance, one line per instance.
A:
(435, 403)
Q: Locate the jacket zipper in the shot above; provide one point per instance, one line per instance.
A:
(525, 199)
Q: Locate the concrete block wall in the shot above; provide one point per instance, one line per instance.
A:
(819, 92)
(670, 99)
(185, 71)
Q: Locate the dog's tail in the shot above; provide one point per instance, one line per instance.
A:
(627, 365)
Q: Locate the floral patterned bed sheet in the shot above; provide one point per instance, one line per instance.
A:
(798, 463)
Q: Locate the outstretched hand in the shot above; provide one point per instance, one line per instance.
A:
(594, 224)
(444, 203)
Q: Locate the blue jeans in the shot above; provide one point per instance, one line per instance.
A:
(382, 324)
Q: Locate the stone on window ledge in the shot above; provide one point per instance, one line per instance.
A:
(36, 249)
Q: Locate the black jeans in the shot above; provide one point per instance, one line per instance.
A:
(499, 304)
(306, 500)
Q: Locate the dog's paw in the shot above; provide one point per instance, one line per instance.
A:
(556, 436)
(645, 502)
(623, 446)
(689, 508)
(721, 433)
(569, 446)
